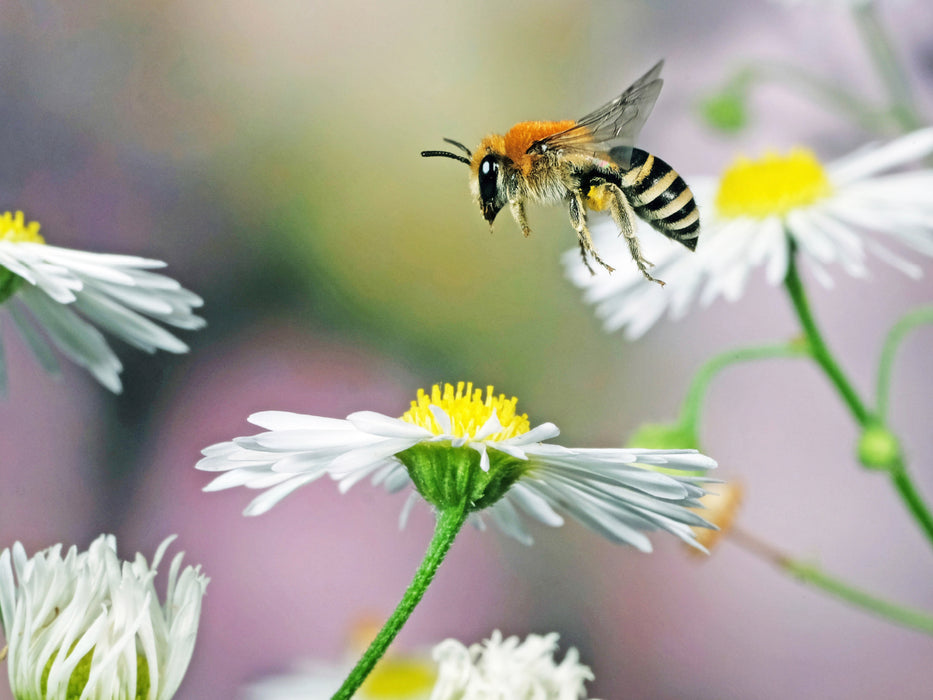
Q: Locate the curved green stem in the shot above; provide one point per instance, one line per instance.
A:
(896, 335)
(693, 402)
(897, 469)
(818, 347)
(901, 101)
(812, 575)
(448, 525)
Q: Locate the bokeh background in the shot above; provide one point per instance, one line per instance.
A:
(269, 153)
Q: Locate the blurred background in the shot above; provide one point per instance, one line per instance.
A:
(269, 152)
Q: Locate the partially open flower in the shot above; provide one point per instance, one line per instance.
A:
(459, 446)
(509, 668)
(87, 625)
(69, 292)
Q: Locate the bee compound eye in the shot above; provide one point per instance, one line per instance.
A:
(488, 176)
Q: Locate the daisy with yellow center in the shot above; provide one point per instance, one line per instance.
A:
(761, 211)
(468, 454)
(70, 293)
(457, 443)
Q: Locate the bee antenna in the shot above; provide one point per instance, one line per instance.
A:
(428, 154)
(460, 146)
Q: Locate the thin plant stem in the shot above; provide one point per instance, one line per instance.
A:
(812, 575)
(690, 413)
(911, 497)
(818, 347)
(897, 470)
(896, 335)
(448, 525)
(901, 101)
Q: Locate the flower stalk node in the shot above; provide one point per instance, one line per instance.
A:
(879, 448)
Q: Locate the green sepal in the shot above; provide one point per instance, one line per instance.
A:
(448, 477)
(9, 284)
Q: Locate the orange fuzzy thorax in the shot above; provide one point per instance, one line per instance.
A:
(520, 137)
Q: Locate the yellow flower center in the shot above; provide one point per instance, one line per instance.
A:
(14, 228)
(772, 185)
(468, 411)
(397, 678)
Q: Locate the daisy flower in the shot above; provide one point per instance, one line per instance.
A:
(509, 668)
(87, 625)
(759, 213)
(68, 292)
(457, 446)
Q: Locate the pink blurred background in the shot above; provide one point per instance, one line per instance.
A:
(269, 153)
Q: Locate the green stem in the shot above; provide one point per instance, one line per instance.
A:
(896, 335)
(690, 413)
(881, 48)
(448, 525)
(818, 347)
(897, 470)
(911, 497)
(812, 575)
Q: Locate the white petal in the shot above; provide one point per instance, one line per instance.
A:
(365, 456)
(539, 433)
(386, 426)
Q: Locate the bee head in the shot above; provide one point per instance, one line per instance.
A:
(486, 176)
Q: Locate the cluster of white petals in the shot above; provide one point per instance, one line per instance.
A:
(56, 611)
(70, 293)
(508, 669)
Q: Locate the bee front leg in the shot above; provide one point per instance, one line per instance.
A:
(518, 213)
(577, 209)
(624, 217)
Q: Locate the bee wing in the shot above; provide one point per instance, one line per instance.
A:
(611, 129)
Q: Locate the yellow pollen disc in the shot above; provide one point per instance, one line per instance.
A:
(399, 677)
(468, 411)
(14, 228)
(772, 185)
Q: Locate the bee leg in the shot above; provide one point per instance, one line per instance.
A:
(578, 221)
(624, 217)
(586, 260)
(518, 213)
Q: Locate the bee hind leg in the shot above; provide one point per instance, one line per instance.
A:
(624, 217)
(578, 221)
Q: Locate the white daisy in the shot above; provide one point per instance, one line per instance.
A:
(88, 625)
(753, 216)
(70, 291)
(454, 444)
(502, 669)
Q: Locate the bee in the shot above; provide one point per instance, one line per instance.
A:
(589, 163)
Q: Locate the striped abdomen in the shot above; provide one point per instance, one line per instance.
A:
(661, 197)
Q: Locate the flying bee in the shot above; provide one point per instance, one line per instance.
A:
(591, 162)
